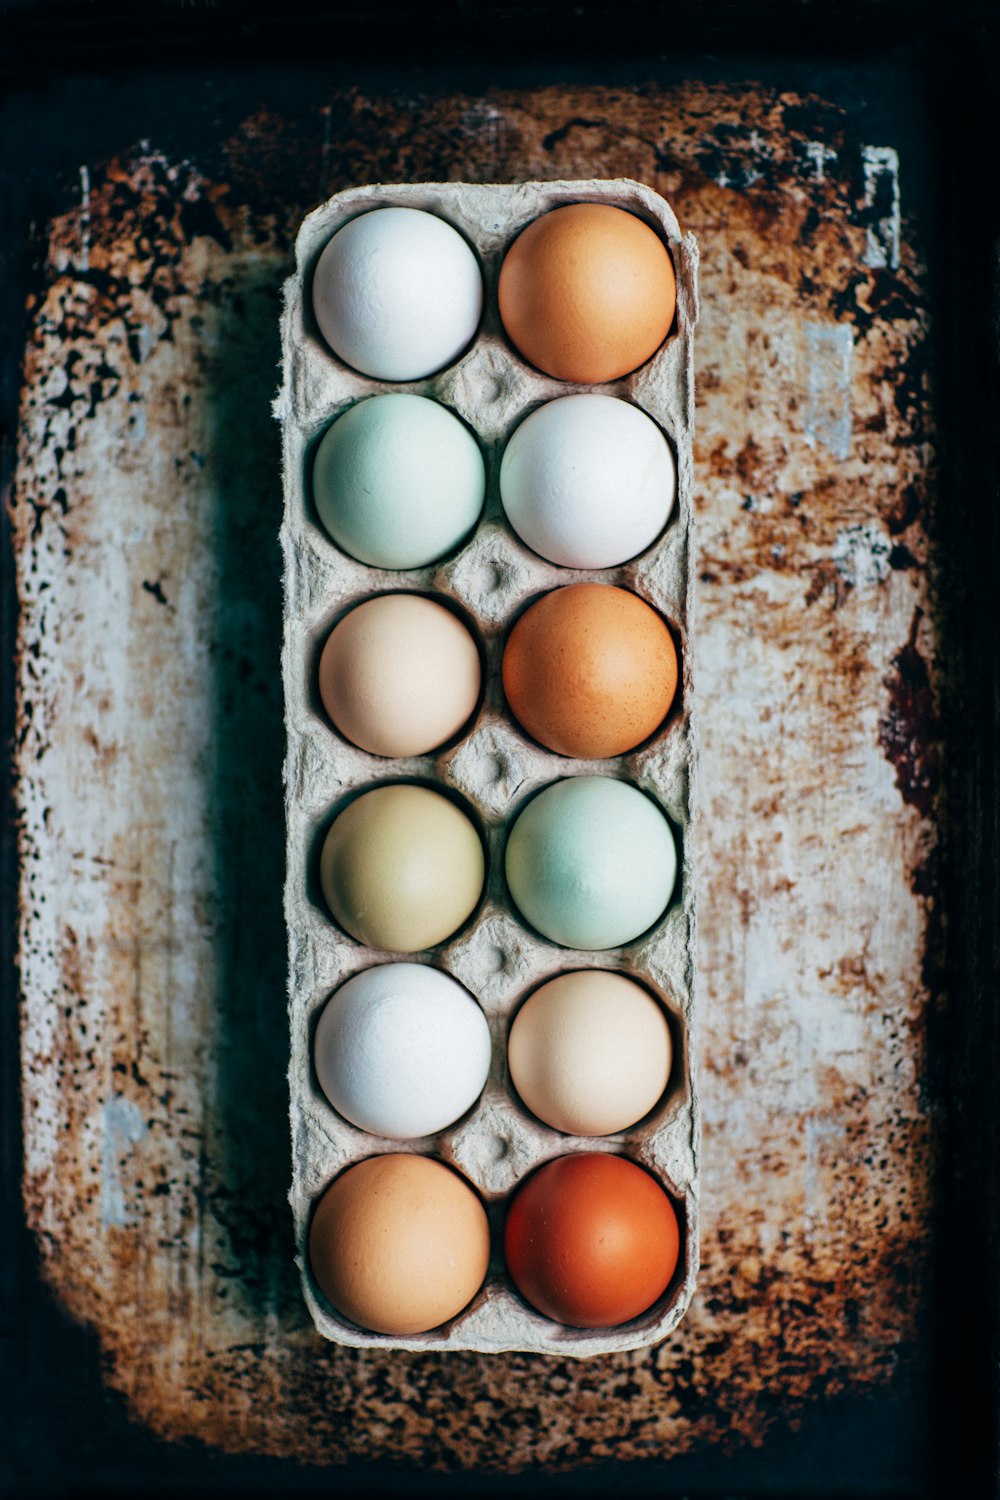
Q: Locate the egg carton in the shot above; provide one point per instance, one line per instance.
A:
(493, 769)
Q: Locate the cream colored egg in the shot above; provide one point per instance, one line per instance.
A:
(399, 675)
(590, 1052)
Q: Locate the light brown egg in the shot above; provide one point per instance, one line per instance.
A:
(590, 670)
(587, 292)
(399, 1243)
(399, 675)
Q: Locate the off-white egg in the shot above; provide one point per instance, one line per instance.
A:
(590, 1052)
(399, 675)
(588, 481)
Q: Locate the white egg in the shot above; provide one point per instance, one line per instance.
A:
(402, 1050)
(397, 293)
(588, 481)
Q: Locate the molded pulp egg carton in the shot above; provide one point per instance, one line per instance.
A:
(493, 769)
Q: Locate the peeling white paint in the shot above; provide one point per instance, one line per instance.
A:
(861, 554)
(819, 155)
(805, 858)
(880, 165)
(124, 1127)
(824, 1138)
(84, 219)
(829, 352)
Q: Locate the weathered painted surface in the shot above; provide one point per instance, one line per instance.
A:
(149, 748)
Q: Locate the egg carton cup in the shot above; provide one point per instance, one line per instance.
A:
(493, 769)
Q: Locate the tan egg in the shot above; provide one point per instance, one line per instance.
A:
(590, 1053)
(587, 292)
(402, 867)
(399, 1244)
(590, 670)
(399, 675)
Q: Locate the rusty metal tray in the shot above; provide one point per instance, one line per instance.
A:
(844, 1335)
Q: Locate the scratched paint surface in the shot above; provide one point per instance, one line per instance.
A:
(146, 510)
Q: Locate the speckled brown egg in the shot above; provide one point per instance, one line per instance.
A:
(587, 292)
(590, 670)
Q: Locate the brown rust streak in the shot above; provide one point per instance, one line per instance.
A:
(817, 1155)
(908, 732)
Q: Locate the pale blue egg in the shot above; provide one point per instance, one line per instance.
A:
(398, 481)
(591, 862)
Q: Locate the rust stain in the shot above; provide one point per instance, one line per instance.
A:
(145, 432)
(909, 732)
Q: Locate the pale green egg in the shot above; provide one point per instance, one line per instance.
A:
(591, 862)
(398, 481)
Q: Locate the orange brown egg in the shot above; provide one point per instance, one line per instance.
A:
(590, 670)
(591, 1240)
(587, 292)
